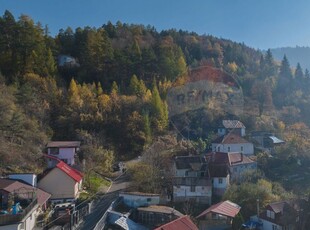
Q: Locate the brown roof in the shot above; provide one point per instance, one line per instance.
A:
(232, 124)
(230, 139)
(225, 208)
(218, 170)
(10, 186)
(238, 158)
(160, 209)
(182, 223)
(232, 158)
(190, 162)
(277, 207)
(63, 144)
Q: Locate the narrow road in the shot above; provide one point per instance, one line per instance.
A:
(103, 202)
(100, 207)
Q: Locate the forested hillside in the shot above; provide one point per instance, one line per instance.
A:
(294, 54)
(114, 98)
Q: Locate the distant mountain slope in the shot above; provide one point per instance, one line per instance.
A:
(294, 55)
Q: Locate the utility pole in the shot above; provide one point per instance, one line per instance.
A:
(257, 203)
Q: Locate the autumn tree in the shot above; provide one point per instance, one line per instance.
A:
(159, 110)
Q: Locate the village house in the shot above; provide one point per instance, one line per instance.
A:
(65, 151)
(20, 204)
(63, 182)
(232, 143)
(155, 215)
(220, 178)
(231, 126)
(227, 167)
(266, 141)
(280, 215)
(218, 216)
(191, 180)
(132, 210)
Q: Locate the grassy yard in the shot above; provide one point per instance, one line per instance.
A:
(95, 183)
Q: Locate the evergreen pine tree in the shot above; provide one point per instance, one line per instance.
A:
(298, 72)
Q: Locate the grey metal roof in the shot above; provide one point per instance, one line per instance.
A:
(276, 140)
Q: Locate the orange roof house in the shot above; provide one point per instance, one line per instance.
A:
(62, 181)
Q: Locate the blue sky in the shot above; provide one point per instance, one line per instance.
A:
(260, 24)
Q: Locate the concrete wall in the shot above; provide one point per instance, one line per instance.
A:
(135, 201)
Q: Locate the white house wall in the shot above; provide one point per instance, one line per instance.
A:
(238, 170)
(65, 153)
(268, 225)
(185, 191)
(30, 220)
(217, 184)
(245, 148)
(180, 172)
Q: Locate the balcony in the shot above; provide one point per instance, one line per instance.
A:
(8, 219)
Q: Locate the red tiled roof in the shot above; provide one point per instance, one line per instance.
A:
(230, 139)
(225, 208)
(217, 158)
(238, 158)
(277, 207)
(232, 158)
(182, 223)
(73, 173)
(10, 185)
(63, 144)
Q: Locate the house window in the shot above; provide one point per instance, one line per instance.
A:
(220, 180)
(241, 148)
(270, 214)
(218, 148)
(54, 151)
(228, 149)
(274, 227)
(193, 188)
(149, 199)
